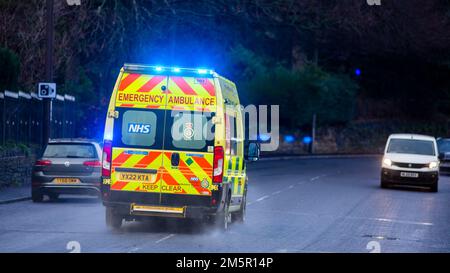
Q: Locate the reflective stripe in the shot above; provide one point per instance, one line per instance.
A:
(151, 84)
(123, 159)
(127, 79)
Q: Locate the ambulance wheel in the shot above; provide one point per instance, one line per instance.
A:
(113, 220)
(222, 219)
(239, 216)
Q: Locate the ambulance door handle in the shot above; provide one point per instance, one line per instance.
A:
(175, 159)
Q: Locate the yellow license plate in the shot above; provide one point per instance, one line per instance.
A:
(67, 180)
(139, 177)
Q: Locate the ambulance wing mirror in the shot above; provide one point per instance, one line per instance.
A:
(252, 151)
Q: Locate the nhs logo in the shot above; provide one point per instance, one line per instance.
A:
(137, 128)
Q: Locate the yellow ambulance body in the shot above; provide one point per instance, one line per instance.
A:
(173, 147)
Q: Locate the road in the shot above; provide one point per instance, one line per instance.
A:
(307, 205)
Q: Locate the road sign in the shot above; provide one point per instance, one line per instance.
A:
(47, 90)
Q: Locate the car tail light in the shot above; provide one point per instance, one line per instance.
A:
(218, 164)
(106, 158)
(42, 163)
(94, 163)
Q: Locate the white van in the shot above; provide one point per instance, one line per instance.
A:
(410, 160)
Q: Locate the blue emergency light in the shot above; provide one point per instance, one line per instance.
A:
(264, 137)
(289, 138)
(142, 68)
(307, 139)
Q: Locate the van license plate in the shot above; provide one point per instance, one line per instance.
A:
(140, 177)
(405, 174)
(66, 180)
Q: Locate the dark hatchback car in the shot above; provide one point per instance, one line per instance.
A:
(67, 166)
(444, 155)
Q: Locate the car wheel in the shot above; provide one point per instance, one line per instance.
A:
(113, 219)
(53, 197)
(383, 184)
(37, 197)
(239, 216)
(434, 187)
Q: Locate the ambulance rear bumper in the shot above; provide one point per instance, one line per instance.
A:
(194, 206)
(128, 210)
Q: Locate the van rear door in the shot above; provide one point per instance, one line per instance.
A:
(137, 153)
(188, 153)
(189, 138)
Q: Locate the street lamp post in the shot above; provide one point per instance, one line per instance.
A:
(47, 102)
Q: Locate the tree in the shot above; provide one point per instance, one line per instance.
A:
(9, 63)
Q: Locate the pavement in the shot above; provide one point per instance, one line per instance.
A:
(313, 205)
(15, 194)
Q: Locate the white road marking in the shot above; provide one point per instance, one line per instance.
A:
(276, 192)
(406, 222)
(315, 178)
(249, 203)
(165, 238)
(262, 198)
(291, 187)
(134, 249)
(403, 221)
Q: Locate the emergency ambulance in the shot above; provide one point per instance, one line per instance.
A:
(174, 147)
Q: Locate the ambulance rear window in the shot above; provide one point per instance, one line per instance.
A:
(190, 131)
(139, 128)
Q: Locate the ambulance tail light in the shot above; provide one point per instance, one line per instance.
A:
(218, 164)
(106, 158)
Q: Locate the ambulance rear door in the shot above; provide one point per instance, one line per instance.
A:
(189, 139)
(137, 151)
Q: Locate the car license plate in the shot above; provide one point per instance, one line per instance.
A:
(407, 174)
(65, 180)
(140, 177)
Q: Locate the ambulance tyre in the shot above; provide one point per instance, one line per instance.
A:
(222, 219)
(113, 220)
(239, 216)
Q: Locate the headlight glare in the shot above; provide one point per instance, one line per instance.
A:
(387, 162)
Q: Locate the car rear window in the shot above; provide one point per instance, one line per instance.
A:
(70, 150)
(411, 146)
